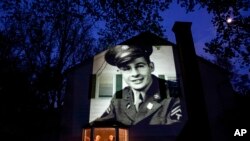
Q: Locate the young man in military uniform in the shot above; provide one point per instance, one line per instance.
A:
(147, 99)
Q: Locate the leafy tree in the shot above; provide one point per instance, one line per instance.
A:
(49, 37)
(39, 41)
(232, 38)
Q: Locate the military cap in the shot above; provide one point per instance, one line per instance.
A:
(122, 54)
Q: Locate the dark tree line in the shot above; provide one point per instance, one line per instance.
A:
(41, 39)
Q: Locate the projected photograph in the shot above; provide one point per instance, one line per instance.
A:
(136, 85)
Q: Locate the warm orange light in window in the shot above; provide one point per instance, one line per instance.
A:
(105, 134)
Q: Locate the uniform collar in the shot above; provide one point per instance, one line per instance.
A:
(154, 90)
(152, 103)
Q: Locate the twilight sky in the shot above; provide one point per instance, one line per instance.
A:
(202, 27)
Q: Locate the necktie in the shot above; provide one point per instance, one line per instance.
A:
(139, 101)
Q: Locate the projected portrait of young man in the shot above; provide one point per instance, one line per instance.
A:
(146, 99)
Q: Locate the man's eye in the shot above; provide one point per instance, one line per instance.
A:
(140, 66)
(125, 68)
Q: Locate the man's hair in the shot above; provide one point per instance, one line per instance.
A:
(147, 59)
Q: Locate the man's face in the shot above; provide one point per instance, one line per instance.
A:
(137, 74)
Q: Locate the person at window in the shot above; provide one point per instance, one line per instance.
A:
(147, 99)
(111, 138)
(97, 138)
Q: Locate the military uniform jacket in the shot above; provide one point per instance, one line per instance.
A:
(161, 106)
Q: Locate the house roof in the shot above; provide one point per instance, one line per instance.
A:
(208, 63)
(147, 38)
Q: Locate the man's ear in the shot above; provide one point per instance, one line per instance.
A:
(152, 66)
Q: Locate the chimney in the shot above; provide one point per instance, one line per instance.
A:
(197, 127)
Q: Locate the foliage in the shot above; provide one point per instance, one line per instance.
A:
(232, 38)
(48, 37)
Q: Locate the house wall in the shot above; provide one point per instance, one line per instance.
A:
(218, 95)
(77, 104)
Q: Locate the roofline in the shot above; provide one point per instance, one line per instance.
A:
(203, 60)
